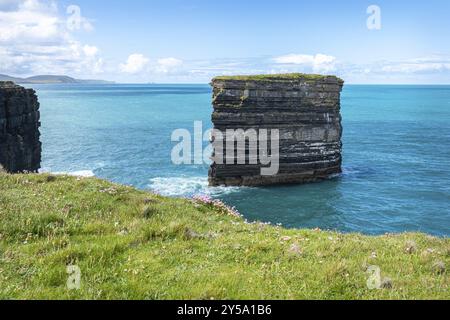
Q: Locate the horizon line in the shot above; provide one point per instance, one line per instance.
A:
(207, 83)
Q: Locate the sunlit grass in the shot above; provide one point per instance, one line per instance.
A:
(130, 244)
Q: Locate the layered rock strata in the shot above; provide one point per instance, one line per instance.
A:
(305, 109)
(20, 148)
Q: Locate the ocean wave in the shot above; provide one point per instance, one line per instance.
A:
(187, 187)
(357, 171)
(80, 173)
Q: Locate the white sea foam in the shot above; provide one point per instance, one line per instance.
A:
(187, 187)
(80, 173)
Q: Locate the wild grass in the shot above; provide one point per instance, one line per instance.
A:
(276, 77)
(130, 244)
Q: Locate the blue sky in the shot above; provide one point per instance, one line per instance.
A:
(193, 41)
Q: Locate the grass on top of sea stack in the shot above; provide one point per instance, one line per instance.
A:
(278, 77)
(130, 244)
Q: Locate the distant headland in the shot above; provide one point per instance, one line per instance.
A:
(51, 79)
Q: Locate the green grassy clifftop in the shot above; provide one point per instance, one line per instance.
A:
(130, 244)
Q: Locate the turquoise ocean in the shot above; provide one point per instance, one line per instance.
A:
(396, 154)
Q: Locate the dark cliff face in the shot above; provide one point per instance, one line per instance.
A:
(306, 111)
(20, 148)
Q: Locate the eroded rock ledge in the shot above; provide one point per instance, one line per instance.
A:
(20, 148)
(305, 109)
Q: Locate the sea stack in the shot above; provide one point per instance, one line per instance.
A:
(20, 148)
(305, 109)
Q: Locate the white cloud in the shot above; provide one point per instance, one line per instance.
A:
(295, 59)
(431, 69)
(90, 51)
(423, 70)
(167, 65)
(138, 63)
(417, 66)
(34, 39)
(135, 63)
(316, 63)
(30, 22)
